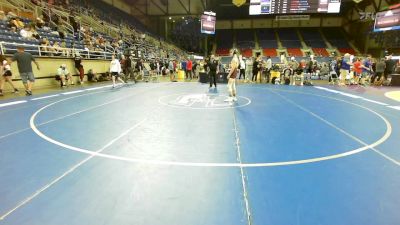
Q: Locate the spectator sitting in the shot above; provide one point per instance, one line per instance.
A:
(19, 23)
(40, 23)
(56, 49)
(44, 46)
(27, 32)
(62, 31)
(35, 34)
(64, 50)
(12, 24)
(3, 16)
(64, 75)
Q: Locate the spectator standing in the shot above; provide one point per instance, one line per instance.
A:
(189, 67)
(242, 67)
(79, 67)
(256, 68)
(24, 61)
(129, 66)
(249, 67)
(380, 70)
(5, 75)
(345, 69)
(171, 68)
(357, 69)
(366, 69)
(115, 70)
(213, 71)
(391, 65)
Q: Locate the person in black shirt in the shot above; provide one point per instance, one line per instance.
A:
(256, 67)
(129, 68)
(213, 71)
(390, 66)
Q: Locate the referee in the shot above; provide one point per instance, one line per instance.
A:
(213, 71)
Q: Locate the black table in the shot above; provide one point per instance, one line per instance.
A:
(221, 78)
(395, 80)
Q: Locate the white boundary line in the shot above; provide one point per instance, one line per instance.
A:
(72, 92)
(239, 159)
(72, 169)
(350, 95)
(339, 129)
(12, 103)
(206, 164)
(395, 107)
(45, 97)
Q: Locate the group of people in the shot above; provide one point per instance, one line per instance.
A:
(24, 61)
(350, 70)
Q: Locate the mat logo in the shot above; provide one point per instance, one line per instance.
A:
(202, 100)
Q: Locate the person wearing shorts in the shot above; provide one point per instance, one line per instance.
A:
(5, 75)
(366, 70)
(65, 75)
(24, 61)
(345, 69)
(232, 78)
(357, 69)
(115, 70)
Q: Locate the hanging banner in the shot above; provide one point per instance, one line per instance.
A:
(238, 3)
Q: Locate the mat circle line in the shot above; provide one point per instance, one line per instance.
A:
(207, 164)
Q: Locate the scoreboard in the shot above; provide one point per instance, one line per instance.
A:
(265, 7)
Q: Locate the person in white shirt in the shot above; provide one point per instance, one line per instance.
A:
(242, 67)
(64, 74)
(249, 67)
(115, 70)
(26, 32)
(5, 75)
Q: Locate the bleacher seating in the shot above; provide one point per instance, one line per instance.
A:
(320, 52)
(247, 52)
(270, 52)
(336, 38)
(267, 38)
(295, 52)
(224, 41)
(347, 50)
(289, 38)
(222, 52)
(312, 37)
(245, 38)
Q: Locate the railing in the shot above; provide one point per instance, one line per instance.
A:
(56, 52)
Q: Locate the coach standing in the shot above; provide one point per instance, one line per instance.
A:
(213, 71)
(24, 61)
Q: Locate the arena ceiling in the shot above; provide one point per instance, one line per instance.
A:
(224, 8)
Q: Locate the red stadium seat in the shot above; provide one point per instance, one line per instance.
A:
(321, 52)
(247, 52)
(295, 52)
(347, 50)
(270, 52)
(222, 52)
